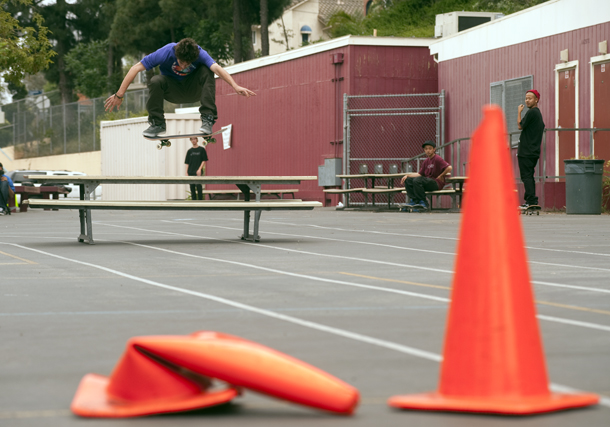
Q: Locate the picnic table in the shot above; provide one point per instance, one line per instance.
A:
(26, 191)
(247, 184)
(372, 189)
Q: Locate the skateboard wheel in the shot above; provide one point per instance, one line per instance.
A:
(159, 146)
(168, 144)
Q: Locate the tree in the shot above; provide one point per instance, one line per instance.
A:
(23, 50)
(264, 28)
(87, 63)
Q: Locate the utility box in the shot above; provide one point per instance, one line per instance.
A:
(327, 173)
(448, 24)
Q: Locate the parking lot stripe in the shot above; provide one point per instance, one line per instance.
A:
(416, 267)
(605, 401)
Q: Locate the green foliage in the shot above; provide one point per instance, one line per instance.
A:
(23, 49)
(215, 36)
(415, 18)
(88, 64)
(18, 90)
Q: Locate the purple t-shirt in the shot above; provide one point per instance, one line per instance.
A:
(432, 168)
(166, 59)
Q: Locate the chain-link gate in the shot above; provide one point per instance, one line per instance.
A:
(382, 133)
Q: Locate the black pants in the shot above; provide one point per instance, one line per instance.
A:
(527, 168)
(196, 190)
(199, 86)
(417, 187)
(4, 195)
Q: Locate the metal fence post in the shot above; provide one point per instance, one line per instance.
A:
(65, 136)
(94, 125)
(78, 118)
(345, 143)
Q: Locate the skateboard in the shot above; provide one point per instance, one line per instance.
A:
(165, 139)
(413, 208)
(530, 210)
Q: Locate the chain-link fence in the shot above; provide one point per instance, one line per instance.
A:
(36, 129)
(383, 133)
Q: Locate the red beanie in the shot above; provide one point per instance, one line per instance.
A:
(535, 92)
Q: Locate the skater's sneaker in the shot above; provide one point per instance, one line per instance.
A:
(525, 206)
(424, 205)
(155, 129)
(207, 121)
(411, 203)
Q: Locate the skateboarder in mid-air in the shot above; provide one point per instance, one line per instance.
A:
(187, 75)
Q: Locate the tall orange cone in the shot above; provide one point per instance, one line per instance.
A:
(493, 360)
(161, 374)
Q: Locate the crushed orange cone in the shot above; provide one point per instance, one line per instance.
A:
(162, 374)
(493, 360)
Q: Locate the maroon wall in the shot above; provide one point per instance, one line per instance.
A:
(296, 119)
(467, 82)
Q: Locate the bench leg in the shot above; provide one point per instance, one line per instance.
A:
(247, 236)
(86, 229)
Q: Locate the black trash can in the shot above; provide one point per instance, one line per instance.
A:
(584, 186)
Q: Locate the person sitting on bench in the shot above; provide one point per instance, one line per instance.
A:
(431, 176)
(7, 191)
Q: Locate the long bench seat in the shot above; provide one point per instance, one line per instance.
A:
(85, 206)
(213, 194)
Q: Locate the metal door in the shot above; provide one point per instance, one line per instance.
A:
(566, 117)
(601, 110)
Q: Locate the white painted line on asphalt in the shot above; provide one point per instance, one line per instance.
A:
(582, 288)
(303, 276)
(409, 235)
(575, 322)
(360, 259)
(605, 401)
(313, 325)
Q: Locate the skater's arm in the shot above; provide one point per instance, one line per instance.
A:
(222, 73)
(409, 175)
(116, 99)
(445, 172)
(200, 170)
(519, 111)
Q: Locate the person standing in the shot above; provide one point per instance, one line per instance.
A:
(528, 152)
(195, 160)
(431, 176)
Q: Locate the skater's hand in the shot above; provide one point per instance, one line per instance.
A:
(111, 102)
(198, 173)
(243, 91)
(521, 107)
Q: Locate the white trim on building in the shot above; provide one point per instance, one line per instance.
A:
(325, 46)
(544, 20)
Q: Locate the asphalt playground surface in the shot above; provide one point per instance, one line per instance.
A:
(341, 290)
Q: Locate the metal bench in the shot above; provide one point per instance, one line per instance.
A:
(213, 194)
(246, 184)
(85, 206)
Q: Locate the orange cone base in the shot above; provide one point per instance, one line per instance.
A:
(518, 406)
(91, 400)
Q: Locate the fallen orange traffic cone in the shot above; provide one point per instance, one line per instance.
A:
(493, 359)
(162, 374)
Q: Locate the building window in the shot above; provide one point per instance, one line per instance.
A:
(305, 34)
(254, 37)
(509, 94)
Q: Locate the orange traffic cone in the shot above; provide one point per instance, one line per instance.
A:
(161, 374)
(493, 358)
